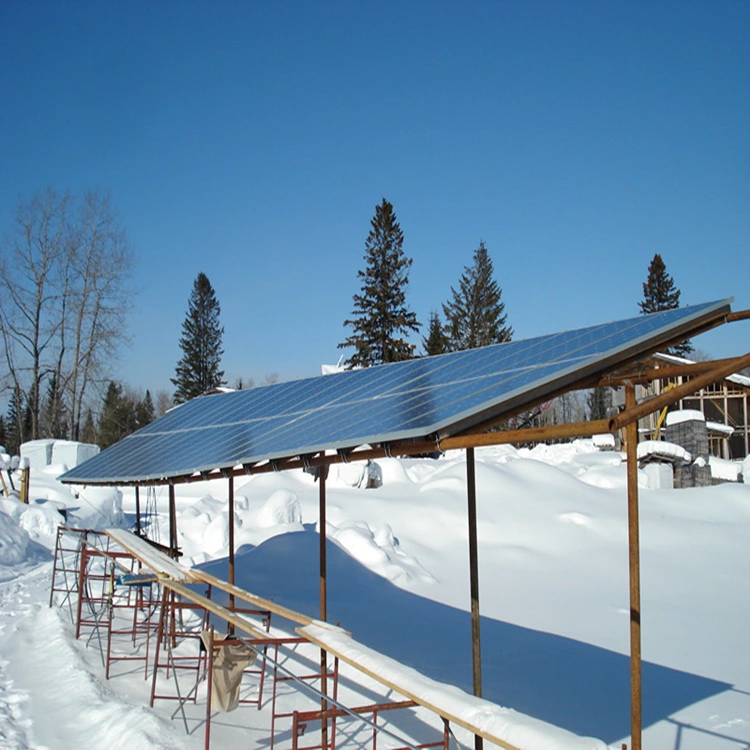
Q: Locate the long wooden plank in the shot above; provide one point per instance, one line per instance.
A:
(258, 601)
(330, 646)
(231, 617)
(148, 555)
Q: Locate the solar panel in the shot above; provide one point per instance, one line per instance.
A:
(416, 399)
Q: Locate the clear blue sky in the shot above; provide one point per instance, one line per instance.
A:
(252, 140)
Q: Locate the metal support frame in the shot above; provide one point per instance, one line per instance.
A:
(631, 438)
(476, 646)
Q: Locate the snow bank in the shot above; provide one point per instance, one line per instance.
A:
(72, 707)
(38, 521)
(14, 540)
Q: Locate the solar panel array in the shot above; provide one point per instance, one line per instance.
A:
(415, 399)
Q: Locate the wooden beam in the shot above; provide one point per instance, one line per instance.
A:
(232, 618)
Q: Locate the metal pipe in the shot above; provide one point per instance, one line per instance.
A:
(631, 437)
(172, 523)
(476, 645)
(137, 510)
(230, 522)
(322, 471)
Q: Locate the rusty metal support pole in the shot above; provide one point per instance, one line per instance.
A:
(137, 510)
(231, 545)
(631, 437)
(172, 523)
(322, 471)
(476, 650)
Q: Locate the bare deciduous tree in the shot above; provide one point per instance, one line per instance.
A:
(64, 295)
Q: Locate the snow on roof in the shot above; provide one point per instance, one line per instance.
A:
(660, 449)
(724, 429)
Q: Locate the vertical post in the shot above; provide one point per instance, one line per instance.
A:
(172, 523)
(25, 471)
(322, 470)
(476, 651)
(137, 510)
(231, 546)
(631, 438)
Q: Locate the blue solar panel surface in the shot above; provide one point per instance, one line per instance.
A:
(418, 398)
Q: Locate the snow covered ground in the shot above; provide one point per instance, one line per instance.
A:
(553, 589)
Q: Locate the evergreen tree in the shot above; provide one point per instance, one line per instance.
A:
(436, 341)
(198, 369)
(145, 411)
(475, 315)
(54, 415)
(381, 316)
(118, 418)
(599, 402)
(3, 435)
(660, 293)
(13, 423)
(88, 432)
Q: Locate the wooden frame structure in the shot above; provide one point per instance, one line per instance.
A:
(627, 372)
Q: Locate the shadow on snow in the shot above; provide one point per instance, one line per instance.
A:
(582, 688)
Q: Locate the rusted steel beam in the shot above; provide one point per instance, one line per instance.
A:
(172, 523)
(527, 435)
(645, 376)
(322, 470)
(230, 522)
(476, 640)
(739, 315)
(633, 414)
(631, 437)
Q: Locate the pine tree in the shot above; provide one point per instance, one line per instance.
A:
(198, 369)
(599, 402)
(13, 426)
(3, 435)
(119, 417)
(381, 316)
(145, 411)
(111, 427)
(475, 315)
(54, 414)
(436, 342)
(89, 433)
(660, 293)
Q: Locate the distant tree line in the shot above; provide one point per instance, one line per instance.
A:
(64, 295)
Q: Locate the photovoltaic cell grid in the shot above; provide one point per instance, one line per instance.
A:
(416, 399)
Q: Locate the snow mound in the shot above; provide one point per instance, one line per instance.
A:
(14, 540)
(378, 550)
(282, 507)
(39, 521)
